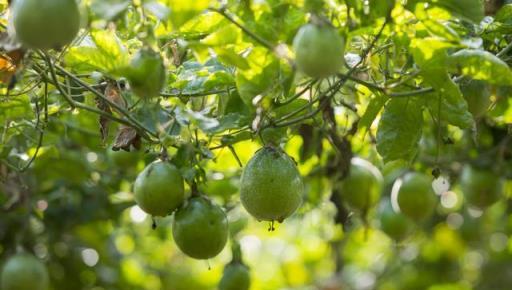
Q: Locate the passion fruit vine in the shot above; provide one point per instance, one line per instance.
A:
(24, 272)
(45, 24)
(318, 50)
(271, 187)
(159, 188)
(200, 228)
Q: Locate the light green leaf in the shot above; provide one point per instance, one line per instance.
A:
(372, 110)
(472, 10)
(16, 108)
(158, 9)
(230, 57)
(107, 54)
(400, 129)
(430, 53)
(481, 65)
(259, 79)
(229, 121)
(504, 14)
(228, 34)
(109, 9)
(182, 11)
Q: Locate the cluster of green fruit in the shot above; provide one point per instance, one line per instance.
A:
(52, 24)
(411, 195)
(271, 190)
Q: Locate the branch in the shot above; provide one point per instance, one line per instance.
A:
(231, 19)
(177, 93)
(504, 51)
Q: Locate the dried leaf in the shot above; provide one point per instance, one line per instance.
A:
(10, 63)
(113, 94)
(126, 137)
(103, 121)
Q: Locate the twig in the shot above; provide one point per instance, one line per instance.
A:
(259, 39)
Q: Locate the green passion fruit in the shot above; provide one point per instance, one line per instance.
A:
(146, 73)
(318, 50)
(236, 276)
(414, 196)
(124, 159)
(477, 94)
(481, 188)
(361, 188)
(271, 187)
(45, 24)
(24, 272)
(200, 228)
(396, 225)
(159, 188)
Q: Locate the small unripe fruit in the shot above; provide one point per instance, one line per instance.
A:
(236, 276)
(396, 225)
(159, 189)
(24, 272)
(361, 188)
(45, 24)
(414, 195)
(318, 50)
(200, 228)
(481, 188)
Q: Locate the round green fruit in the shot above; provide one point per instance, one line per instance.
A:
(45, 24)
(361, 188)
(24, 272)
(159, 188)
(318, 50)
(477, 94)
(236, 276)
(200, 228)
(271, 186)
(147, 73)
(396, 225)
(123, 159)
(414, 195)
(481, 188)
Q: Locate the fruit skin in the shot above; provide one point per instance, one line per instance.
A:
(318, 50)
(159, 188)
(396, 225)
(414, 196)
(477, 94)
(123, 159)
(236, 276)
(361, 188)
(271, 187)
(200, 228)
(45, 24)
(481, 188)
(24, 272)
(146, 73)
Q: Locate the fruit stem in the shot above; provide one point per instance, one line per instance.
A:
(194, 190)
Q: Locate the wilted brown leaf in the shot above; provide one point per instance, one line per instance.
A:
(126, 137)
